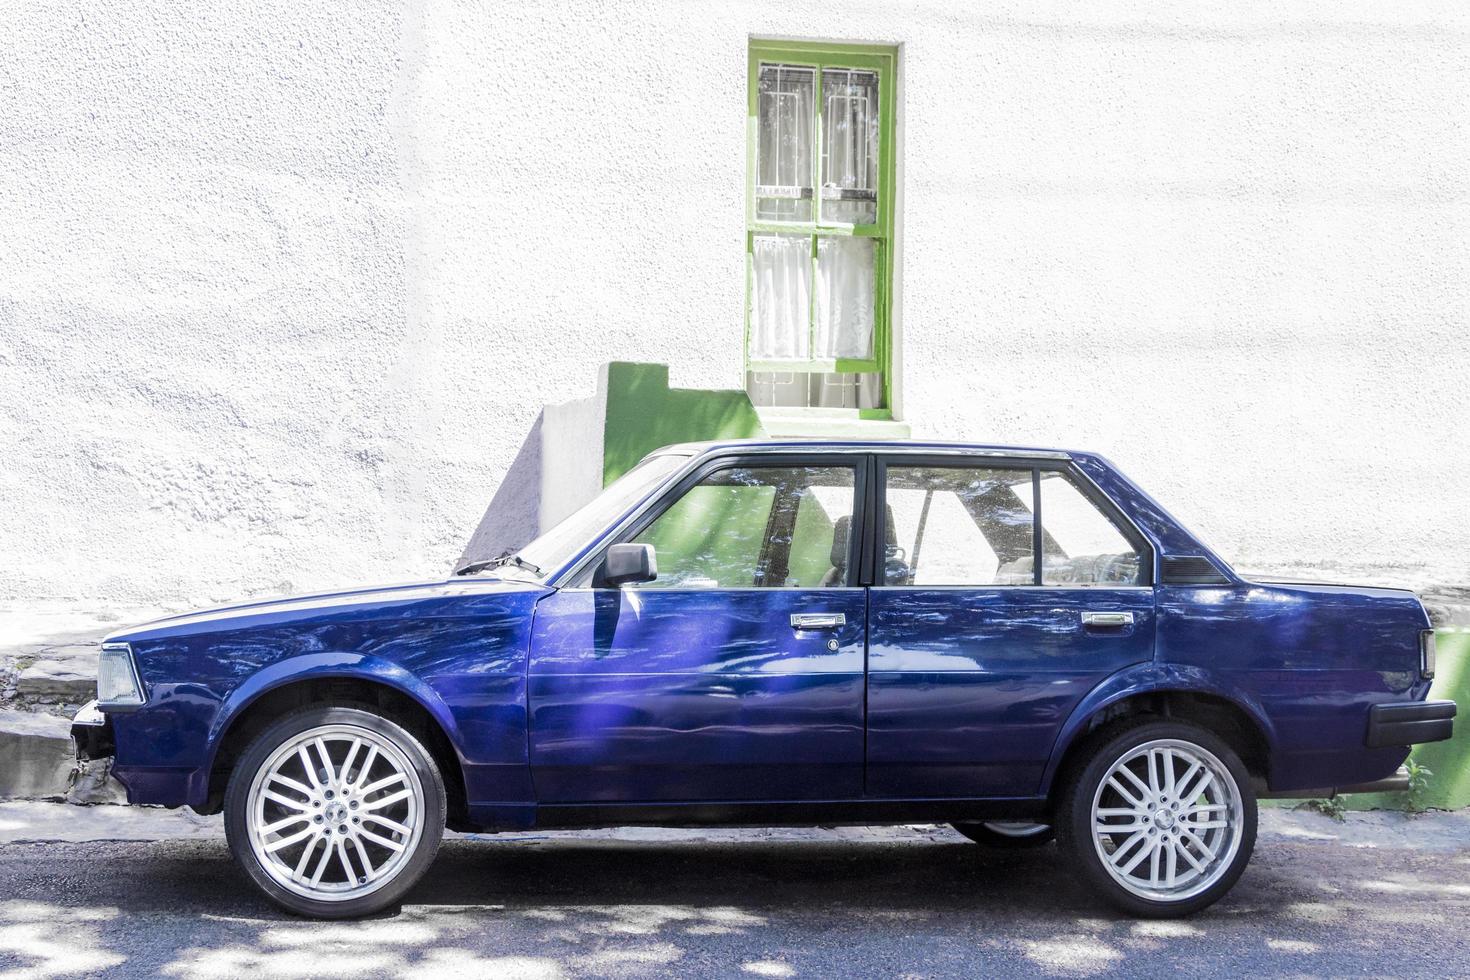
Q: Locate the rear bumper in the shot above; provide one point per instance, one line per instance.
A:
(1409, 723)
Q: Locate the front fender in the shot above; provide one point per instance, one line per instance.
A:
(317, 666)
(1151, 678)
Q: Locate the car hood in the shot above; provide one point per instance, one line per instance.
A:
(309, 603)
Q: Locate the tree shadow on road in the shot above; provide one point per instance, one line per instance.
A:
(557, 907)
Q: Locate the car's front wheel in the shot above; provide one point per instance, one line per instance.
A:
(335, 812)
(1160, 818)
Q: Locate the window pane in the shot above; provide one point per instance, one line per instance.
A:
(784, 139)
(846, 285)
(780, 296)
(958, 526)
(1082, 546)
(797, 389)
(756, 527)
(820, 539)
(849, 146)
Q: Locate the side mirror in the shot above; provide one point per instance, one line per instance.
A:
(626, 563)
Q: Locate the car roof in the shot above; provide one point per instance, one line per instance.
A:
(724, 446)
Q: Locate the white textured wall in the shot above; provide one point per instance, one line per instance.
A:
(283, 287)
(1231, 252)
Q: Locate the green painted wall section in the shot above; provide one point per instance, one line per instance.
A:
(718, 533)
(712, 533)
(644, 413)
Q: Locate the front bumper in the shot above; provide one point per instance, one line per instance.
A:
(91, 733)
(1409, 723)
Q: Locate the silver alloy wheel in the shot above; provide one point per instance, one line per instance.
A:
(1015, 828)
(335, 813)
(1167, 820)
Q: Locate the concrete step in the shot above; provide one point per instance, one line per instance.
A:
(38, 761)
(36, 755)
(69, 680)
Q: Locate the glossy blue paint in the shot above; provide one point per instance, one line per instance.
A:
(316, 667)
(968, 688)
(696, 695)
(1315, 658)
(570, 697)
(1142, 681)
(457, 648)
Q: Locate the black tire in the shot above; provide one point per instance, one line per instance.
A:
(1074, 819)
(412, 867)
(1005, 835)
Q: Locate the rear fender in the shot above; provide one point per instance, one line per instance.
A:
(1151, 678)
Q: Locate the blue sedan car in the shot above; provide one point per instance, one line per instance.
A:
(1019, 642)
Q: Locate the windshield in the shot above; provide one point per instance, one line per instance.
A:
(557, 546)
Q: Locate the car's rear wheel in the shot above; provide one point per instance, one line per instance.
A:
(1160, 818)
(1006, 834)
(335, 812)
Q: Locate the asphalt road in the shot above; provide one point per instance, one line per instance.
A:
(903, 903)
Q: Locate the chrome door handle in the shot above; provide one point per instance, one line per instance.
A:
(1107, 619)
(817, 621)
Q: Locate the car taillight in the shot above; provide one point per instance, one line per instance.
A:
(1426, 654)
(117, 677)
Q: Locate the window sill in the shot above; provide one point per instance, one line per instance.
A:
(829, 423)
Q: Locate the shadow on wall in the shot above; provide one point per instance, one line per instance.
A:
(514, 515)
(575, 449)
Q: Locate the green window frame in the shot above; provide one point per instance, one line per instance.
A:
(821, 56)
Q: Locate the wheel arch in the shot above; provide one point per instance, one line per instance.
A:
(1167, 691)
(377, 685)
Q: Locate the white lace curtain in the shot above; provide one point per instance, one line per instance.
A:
(785, 323)
(780, 297)
(843, 326)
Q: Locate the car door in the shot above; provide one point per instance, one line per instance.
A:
(977, 655)
(737, 674)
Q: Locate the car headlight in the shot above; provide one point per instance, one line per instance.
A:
(1426, 654)
(117, 677)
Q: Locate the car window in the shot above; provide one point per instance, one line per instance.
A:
(1081, 544)
(756, 527)
(958, 525)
